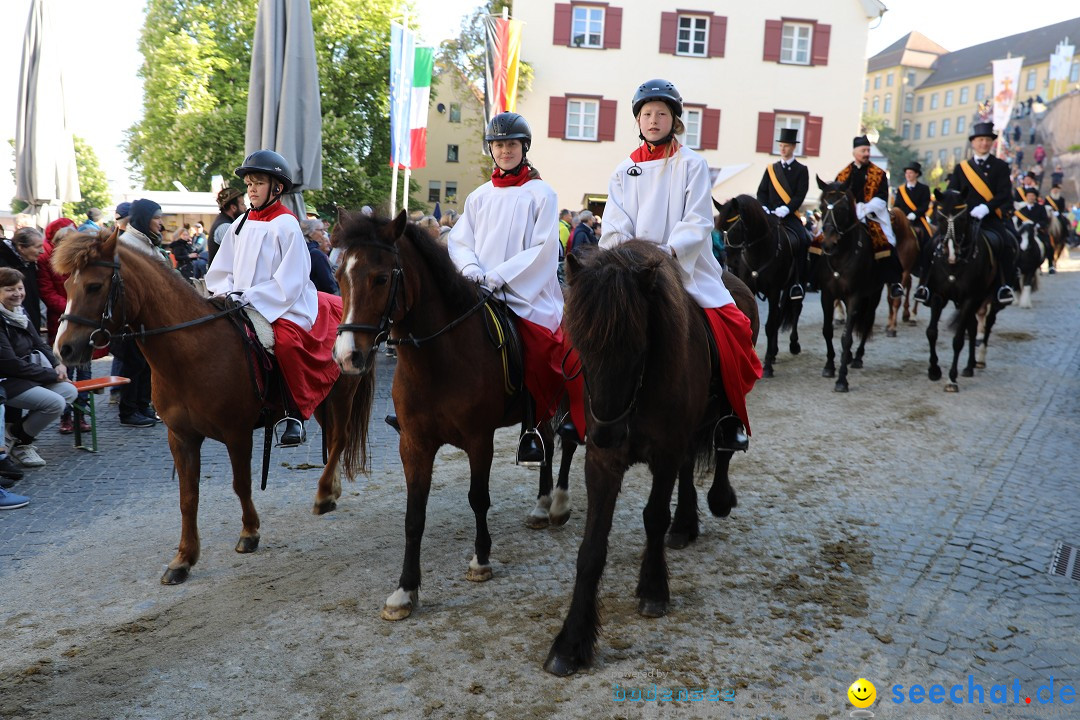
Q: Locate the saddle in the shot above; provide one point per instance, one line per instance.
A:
(258, 337)
(499, 320)
(882, 249)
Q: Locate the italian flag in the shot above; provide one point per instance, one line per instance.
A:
(423, 65)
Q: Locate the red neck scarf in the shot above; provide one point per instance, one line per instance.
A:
(269, 213)
(501, 179)
(648, 152)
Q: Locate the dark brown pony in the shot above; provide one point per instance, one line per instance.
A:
(847, 273)
(652, 398)
(449, 386)
(761, 252)
(113, 287)
(907, 250)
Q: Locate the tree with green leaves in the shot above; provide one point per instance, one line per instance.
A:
(891, 146)
(93, 185)
(468, 50)
(195, 74)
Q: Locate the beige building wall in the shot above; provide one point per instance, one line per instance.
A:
(455, 119)
(740, 84)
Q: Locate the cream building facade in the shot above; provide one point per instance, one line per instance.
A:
(745, 70)
(456, 163)
(931, 96)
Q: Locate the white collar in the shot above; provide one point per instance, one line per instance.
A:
(982, 158)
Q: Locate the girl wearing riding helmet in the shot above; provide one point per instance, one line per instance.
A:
(661, 193)
(507, 239)
(264, 259)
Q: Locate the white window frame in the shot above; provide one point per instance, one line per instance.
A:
(888, 80)
(961, 124)
(980, 92)
(933, 101)
(877, 82)
(905, 132)
(578, 111)
(790, 121)
(929, 157)
(592, 22)
(1029, 83)
(436, 187)
(931, 128)
(876, 105)
(886, 107)
(943, 156)
(964, 95)
(946, 126)
(948, 98)
(450, 191)
(692, 120)
(695, 24)
(795, 44)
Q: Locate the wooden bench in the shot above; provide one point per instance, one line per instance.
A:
(93, 386)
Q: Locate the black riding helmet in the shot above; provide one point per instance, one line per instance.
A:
(269, 162)
(509, 126)
(658, 90)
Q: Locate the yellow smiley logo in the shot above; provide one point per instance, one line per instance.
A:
(862, 693)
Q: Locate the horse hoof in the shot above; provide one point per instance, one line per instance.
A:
(324, 506)
(678, 541)
(912, 321)
(934, 373)
(952, 387)
(559, 665)
(175, 576)
(828, 372)
(536, 521)
(652, 608)
(247, 543)
(968, 372)
(795, 348)
(478, 574)
(841, 387)
(766, 372)
(559, 520)
(890, 332)
(980, 365)
(856, 364)
(399, 605)
(721, 503)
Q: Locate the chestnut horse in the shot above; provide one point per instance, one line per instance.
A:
(761, 252)
(907, 250)
(645, 354)
(846, 272)
(113, 287)
(449, 384)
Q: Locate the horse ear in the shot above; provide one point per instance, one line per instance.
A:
(399, 224)
(821, 185)
(937, 194)
(108, 245)
(573, 266)
(719, 206)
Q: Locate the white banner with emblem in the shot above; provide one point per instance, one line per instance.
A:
(1060, 65)
(1006, 81)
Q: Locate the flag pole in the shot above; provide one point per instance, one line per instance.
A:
(394, 160)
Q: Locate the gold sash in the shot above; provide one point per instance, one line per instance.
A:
(1023, 217)
(777, 185)
(907, 198)
(978, 183)
(1050, 200)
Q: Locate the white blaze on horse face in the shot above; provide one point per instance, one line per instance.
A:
(63, 324)
(344, 346)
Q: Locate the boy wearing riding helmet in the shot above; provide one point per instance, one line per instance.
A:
(264, 260)
(507, 239)
(661, 193)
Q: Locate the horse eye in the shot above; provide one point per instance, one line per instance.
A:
(94, 287)
(381, 279)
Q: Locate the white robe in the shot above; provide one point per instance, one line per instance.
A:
(669, 204)
(270, 264)
(879, 213)
(510, 235)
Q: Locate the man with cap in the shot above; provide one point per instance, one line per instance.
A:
(1027, 181)
(1034, 213)
(1055, 202)
(264, 262)
(781, 192)
(143, 233)
(121, 215)
(983, 183)
(231, 203)
(913, 198)
(870, 186)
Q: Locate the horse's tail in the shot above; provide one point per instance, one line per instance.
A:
(789, 313)
(355, 454)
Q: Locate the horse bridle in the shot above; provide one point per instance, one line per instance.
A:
(102, 337)
(950, 234)
(625, 414)
(830, 218)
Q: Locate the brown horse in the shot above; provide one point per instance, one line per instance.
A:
(907, 249)
(449, 383)
(113, 287)
(644, 350)
(1058, 233)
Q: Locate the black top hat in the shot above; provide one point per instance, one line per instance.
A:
(788, 135)
(1031, 189)
(914, 165)
(860, 141)
(983, 129)
(1031, 175)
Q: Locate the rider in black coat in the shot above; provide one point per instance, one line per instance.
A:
(794, 180)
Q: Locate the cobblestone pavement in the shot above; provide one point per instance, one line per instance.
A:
(896, 533)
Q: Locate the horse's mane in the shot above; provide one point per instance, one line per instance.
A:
(752, 215)
(354, 229)
(615, 292)
(80, 249)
